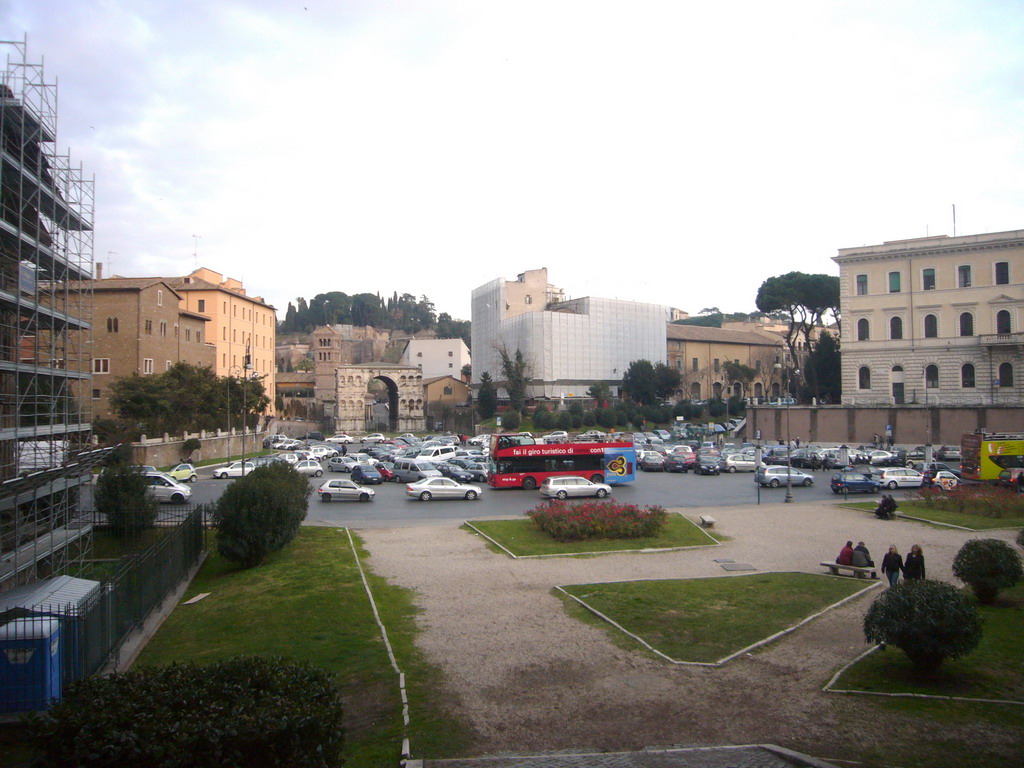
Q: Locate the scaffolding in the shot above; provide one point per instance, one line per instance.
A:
(46, 213)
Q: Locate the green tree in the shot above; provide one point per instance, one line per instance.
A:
(563, 420)
(600, 392)
(486, 397)
(641, 382)
(667, 380)
(516, 371)
(122, 495)
(805, 300)
(744, 374)
(260, 513)
(987, 566)
(511, 420)
(824, 379)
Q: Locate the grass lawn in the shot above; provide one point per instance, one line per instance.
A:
(708, 619)
(963, 519)
(308, 603)
(995, 670)
(522, 538)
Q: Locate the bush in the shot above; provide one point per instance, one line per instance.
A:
(983, 500)
(988, 565)
(578, 521)
(190, 446)
(542, 418)
(589, 419)
(510, 420)
(577, 420)
(252, 711)
(563, 420)
(260, 513)
(122, 495)
(716, 409)
(606, 418)
(929, 621)
(576, 409)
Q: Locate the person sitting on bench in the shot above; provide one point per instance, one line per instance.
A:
(846, 554)
(862, 558)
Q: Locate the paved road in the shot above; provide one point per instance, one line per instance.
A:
(391, 508)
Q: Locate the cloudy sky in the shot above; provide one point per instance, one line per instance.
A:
(675, 152)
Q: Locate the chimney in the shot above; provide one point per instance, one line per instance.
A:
(99, 270)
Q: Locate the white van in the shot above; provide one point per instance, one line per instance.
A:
(437, 453)
(412, 470)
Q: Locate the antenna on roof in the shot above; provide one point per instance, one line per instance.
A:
(110, 262)
(195, 251)
(954, 219)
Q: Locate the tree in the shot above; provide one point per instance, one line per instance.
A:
(516, 371)
(260, 513)
(122, 494)
(824, 379)
(467, 372)
(641, 382)
(805, 300)
(930, 621)
(511, 420)
(744, 374)
(487, 397)
(600, 392)
(666, 380)
(988, 565)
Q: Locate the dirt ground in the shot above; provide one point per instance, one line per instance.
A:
(527, 677)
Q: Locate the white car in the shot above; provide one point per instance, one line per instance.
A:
(373, 437)
(234, 469)
(558, 436)
(165, 489)
(900, 478)
(291, 458)
(441, 488)
(564, 487)
(344, 490)
(323, 452)
(946, 480)
(309, 467)
(341, 439)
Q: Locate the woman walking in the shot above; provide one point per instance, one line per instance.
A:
(913, 567)
(892, 564)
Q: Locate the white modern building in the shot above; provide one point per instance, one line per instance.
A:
(568, 344)
(437, 357)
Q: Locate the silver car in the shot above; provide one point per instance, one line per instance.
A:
(344, 490)
(775, 476)
(309, 467)
(564, 487)
(738, 462)
(165, 489)
(234, 469)
(441, 488)
(900, 478)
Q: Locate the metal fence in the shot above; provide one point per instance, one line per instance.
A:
(45, 647)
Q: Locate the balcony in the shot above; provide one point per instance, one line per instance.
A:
(1001, 339)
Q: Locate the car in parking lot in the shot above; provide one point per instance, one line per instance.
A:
(364, 474)
(776, 475)
(234, 469)
(902, 477)
(309, 467)
(931, 469)
(341, 463)
(853, 482)
(164, 489)
(707, 464)
(183, 473)
(570, 485)
(373, 437)
(453, 471)
(344, 490)
(879, 457)
(651, 461)
(679, 462)
(738, 462)
(441, 488)
(948, 453)
(341, 438)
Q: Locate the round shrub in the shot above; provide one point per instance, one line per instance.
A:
(563, 420)
(589, 419)
(606, 417)
(122, 495)
(929, 621)
(253, 711)
(542, 418)
(510, 420)
(988, 565)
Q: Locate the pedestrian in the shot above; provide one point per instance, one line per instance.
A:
(913, 566)
(892, 564)
(344, 450)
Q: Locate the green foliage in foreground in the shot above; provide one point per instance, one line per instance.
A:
(708, 619)
(930, 621)
(252, 711)
(987, 566)
(307, 603)
(522, 538)
(994, 670)
(122, 495)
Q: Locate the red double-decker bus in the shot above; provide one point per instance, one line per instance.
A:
(518, 461)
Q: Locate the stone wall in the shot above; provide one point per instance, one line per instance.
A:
(167, 450)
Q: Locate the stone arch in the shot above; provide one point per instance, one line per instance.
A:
(402, 397)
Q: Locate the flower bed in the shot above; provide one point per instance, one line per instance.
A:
(581, 520)
(983, 500)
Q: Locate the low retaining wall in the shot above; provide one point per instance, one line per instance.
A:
(167, 450)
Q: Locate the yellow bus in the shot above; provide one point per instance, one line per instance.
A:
(984, 455)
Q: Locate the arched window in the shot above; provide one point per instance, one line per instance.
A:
(931, 326)
(1002, 321)
(1006, 375)
(967, 376)
(931, 377)
(896, 328)
(863, 329)
(864, 378)
(966, 324)
(695, 391)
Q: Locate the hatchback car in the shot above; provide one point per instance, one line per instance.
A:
(707, 465)
(775, 476)
(183, 473)
(948, 453)
(366, 475)
(341, 439)
(853, 482)
(341, 463)
(900, 478)
(344, 490)
(164, 489)
(564, 487)
(234, 469)
(441, 488)
(651, 461)
(309, 467)
(456, 473)
(374, 437)
(676, 462)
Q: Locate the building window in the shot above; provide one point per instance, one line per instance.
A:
(528, 299)
(1002, 321)
(1002, 273)
(928, 279)
(224, 359)
(199, 337)
(167, 365)
(931, 326)
(864, 378)
(896, 328)
(967, 376)
(95, 394)
(757, 365)
(112, 325)
(188, 334)
(716, 365)
(159, 298)
(149, 327)
(147, 365)
(451, 365)
(679, 364)
(419, 354)
(1005, 375)
(201, 305)
(696, 364)
(224, 305)
(862, 285)
(101, 365)
(894, 282)
(163, 328)
(447, 390)
(931, 377)
(963, 276)
(451, 354)
(863, 329)
(234, 310)
(966, 324)
(234, 334)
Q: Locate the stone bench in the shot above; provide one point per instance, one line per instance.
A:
(861, 572)
(706, 521)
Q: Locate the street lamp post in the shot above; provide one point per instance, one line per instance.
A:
(789, 444)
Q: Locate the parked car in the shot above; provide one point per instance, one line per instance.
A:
(663, 434)
(413, 470)
(853, 482)
(1008, 477)
(903, 477)
(707, 465)
(441, 488)
(164, 489)
(677, 462)
(387, 470)
(558, 436)
(738, 462)
(775, 475)
(879, 457)
(930, 469)
(341, 439)
(564, 487)
(456, 473)
(323, 452)
(947, 480)
(948, 453)
(651, 461)
(271, 441)
(183, 473)
(309, 467)
(364, 474)
(344, 490)
(341, 463)
(373, 437)
(234, 469)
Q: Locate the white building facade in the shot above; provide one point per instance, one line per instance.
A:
(568, 344)
(437, 357)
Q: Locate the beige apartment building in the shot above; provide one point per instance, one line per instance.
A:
(239, 324)
(140, 328)
(934, 320)
(700, 353)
